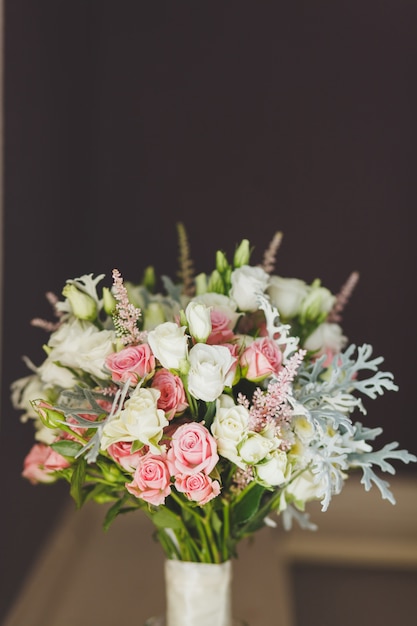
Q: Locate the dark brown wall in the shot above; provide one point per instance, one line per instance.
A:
(238, 118)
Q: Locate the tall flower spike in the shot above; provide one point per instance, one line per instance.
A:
(342, 298)
(49, 327)
(186, 268)
(126, 315)
(269, 259)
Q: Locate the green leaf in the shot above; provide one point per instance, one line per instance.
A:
(248, 505)
(77, 481)
(112, 513)
(216, 523)
(164, 518)
(66, 447)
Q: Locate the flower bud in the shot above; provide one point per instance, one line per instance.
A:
(149, 279)
(201, 284)
(216, 283)
(199, 321)
(109, 301)
(221, 262)
(83, 306)
(153, 315)
(242, 254)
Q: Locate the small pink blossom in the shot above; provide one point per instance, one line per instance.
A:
(198, 488)
(261, 359)
(131, 363)
(122, 454)
(151, 480)
(193, 450)
(172, 399)
(41, 463)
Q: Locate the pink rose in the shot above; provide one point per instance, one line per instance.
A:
(261, 358)
(172, 399)
(151, 480)
(221, 327)
(121, 453)
(41, 463)
(131, 363)
(192, 450)
(199, 487)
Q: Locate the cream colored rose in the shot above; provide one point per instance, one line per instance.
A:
(140, 420)
(169, 344)
(247, 283)
(287, 294)
(199, 321)
(211, 370)
(229, 427)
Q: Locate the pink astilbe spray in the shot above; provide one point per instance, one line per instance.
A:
(269, 258)
(342, 298)
(272, 406)
(126, 316)
(46, 325)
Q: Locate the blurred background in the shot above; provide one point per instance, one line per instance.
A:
(238, 119)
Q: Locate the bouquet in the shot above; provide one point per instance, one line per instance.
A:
(212, 405)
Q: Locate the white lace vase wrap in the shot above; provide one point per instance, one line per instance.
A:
(198, 594)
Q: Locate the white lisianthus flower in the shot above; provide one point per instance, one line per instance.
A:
(326, 337)
(318, 302)
(199, 321)
(23, 390)
(287, 294)
(247, 283)
(255, 448)
(211, 370)
(140, 420)
(168, 343)
(229, 427)
(271, 471)
(305, 487)
(83, 306)
(53, 375)
(79, 345)
(303, 428)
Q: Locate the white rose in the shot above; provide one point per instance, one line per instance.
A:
(168, 342)
(327, 336)
(229, 427)
(140, 420)
(287, 294)
(271, 471)
(199, 322)
(211, 370)
(255, 448)
(81, 345)
(247, 283)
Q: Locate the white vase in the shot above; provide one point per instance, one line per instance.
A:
(197, 594)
